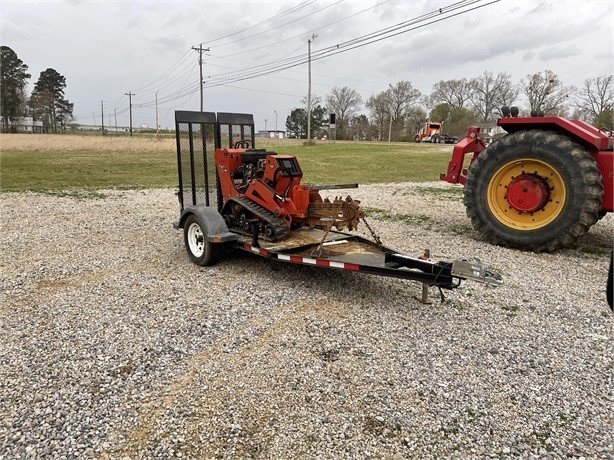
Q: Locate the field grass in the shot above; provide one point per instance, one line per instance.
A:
(61, 162)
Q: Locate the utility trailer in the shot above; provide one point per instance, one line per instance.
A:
(208, 144)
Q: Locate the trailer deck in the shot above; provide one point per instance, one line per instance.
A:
(345, 251)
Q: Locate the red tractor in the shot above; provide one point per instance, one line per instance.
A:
(539, 187)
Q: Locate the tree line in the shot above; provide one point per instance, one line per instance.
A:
(398, 112)
(47, 101)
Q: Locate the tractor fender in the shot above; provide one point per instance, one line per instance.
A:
(214, 225)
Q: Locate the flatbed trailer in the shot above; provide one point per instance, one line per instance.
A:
(207, 237)
(345, 251)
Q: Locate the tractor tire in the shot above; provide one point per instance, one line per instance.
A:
(533, 190)
(200, 249)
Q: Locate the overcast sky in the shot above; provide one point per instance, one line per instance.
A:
(108, 48)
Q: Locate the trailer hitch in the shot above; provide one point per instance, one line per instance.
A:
(476, 270)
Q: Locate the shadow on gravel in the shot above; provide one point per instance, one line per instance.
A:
(333, 284)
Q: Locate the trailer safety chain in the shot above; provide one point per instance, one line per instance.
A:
(316, 252)
(373, 234)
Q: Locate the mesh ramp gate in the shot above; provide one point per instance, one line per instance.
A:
(198, 134)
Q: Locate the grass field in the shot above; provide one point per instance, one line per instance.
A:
(60, 162)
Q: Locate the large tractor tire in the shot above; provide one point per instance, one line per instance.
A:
(533, 190)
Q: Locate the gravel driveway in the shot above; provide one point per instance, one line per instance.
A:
(115, 346)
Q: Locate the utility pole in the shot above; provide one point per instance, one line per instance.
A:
(102, 116)
(200, 50)
(390, 126)
(313, 37)
(275, 122)
(115, 113)
(130, 94)
(157, 112)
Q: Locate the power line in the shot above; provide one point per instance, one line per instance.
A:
(401, 28)
(276, 66)
(271, 19)
(178, 69)
(281, 25)
(251, 50)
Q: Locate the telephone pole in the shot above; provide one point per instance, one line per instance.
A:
(157, 126)
(102, 116)
(313, 37)
(130, 94)
(200, 50)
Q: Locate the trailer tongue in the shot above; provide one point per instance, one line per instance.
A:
(260, 207)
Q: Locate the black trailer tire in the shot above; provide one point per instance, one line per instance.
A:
(201, 251)
(533, 190)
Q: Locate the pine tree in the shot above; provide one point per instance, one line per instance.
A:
(48, 102)
(13, 78)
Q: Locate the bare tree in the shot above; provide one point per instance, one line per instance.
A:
(453, 92)
(416, 117)
(489, 92)
(595, 100)
(343, 102)
(546, 93)
(379, 106)
(401, 98)
(359, 127)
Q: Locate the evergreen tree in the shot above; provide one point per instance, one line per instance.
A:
(48, 102)
(13, 77)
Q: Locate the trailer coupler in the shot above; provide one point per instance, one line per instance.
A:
(445, 275)
(476, 270)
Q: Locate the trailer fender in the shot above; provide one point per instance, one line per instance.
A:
(212, 221)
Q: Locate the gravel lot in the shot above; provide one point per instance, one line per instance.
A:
(115, 346)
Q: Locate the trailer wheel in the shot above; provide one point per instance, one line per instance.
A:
(200, 249)
(533, 190)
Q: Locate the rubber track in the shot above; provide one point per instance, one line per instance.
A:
(281, 229)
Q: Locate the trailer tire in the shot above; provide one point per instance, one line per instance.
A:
(201, 251)
(533, 190)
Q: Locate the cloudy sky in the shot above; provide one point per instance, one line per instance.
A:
(106, 49)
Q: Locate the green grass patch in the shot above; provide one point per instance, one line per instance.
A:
(451, 193)
(418, 219)
(368, 163)
(330, 163)
(55, 170)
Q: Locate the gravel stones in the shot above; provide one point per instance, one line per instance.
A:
(115, 346)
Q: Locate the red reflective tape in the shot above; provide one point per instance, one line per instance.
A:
(262, 252)
(352, 267)
(323, 263)
(296, 259)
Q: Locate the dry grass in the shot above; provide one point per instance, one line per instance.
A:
(80, 143)
(93, 143)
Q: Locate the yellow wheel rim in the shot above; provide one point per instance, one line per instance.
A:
(526, 194)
